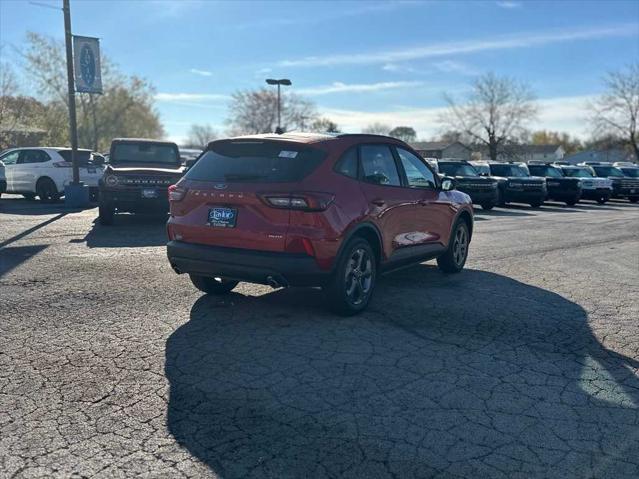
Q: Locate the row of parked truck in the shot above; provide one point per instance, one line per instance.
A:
(492, 184)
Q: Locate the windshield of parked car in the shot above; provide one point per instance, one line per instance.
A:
(632, 172)
(545, 170)
(457, 169)
(578, 172)
(608, 171)
(509, 170)
(256, 161)
(144, 152)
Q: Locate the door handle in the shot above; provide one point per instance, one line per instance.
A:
(378, 202)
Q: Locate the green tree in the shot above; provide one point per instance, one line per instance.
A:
(404, 133)
(568, 143)
(125, 109)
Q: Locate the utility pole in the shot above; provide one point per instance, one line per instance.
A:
(283, 81)
(73, 126)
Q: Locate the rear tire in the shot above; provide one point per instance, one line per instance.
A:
(487, 206)
(536, 204)
(47, 191)
(106, 213)
(633, 199)
(213, 285)
(29, 196)
(571, 202)
(454, 259)
(352, 285)
(602, 200)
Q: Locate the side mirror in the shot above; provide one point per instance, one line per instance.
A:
(448, 184)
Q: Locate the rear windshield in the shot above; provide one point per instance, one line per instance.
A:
(541, 170)
(83, 157)
(578, 172)
(144, 153)
(457, 169)
(607, 171)
(509, 170)
(256, 161)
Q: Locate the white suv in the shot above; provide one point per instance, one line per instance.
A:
(46, 171)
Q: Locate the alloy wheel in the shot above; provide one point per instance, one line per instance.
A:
(358, 276)
(460, 246)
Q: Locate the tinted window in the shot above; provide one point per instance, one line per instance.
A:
(33, 156)
(544, 170)
(378, 165)
(10, 158)
(347, 164)
(607, 171)
(256, 161)
(509, 170)
(417, 173)
(632, 172)
(82, 156)
(457, 169)
(144, 153)
(578, 172)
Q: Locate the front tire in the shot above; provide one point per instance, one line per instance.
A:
(216, 286)
(633, 199)
(571, 202)
(454, 259)
(536, 204)
(602, 200)
(47, 190)
(29, 196)
(353, 283)
(487, 206)
(106, 214)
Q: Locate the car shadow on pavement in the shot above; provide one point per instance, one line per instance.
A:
(471, 375)
(16, 205)
(127, 231)
(13, 256)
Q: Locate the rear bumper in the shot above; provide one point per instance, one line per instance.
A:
(287, 269)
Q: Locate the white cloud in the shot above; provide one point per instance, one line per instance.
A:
(519, 40)
(508, 4)
(203, 73)
(190, 97)
(567, 114)
(339, 87)
(451, 66)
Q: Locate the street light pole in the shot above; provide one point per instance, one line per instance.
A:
(73, 127)
(283, 81)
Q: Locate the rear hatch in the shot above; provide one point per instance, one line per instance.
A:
(240, 194)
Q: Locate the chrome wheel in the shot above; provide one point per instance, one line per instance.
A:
(358, 278)
(460, 246)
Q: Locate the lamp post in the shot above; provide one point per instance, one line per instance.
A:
(282, 81)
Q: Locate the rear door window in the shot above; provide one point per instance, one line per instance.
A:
(378, 165)
(32, 156)
(256, 161)
(83, 157)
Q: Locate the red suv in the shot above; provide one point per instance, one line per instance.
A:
(313, 210)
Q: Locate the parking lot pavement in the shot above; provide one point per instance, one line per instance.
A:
(524, 365)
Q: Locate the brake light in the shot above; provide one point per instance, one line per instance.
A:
(304, 201)
(63, 164)
(176, 193)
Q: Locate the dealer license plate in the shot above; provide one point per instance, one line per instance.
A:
(222, 217)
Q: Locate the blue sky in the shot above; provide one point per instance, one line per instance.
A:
(359, 61)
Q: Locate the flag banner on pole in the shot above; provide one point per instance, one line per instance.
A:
(86, 64)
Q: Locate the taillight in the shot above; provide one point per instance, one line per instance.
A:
(176, 193)
(304, 201)
(63, 164)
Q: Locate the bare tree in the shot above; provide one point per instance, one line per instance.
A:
(404, 133)
(377, 129)
(616, 112)
(255, 111)
(200, 135)
(324, 125)
(495, 112)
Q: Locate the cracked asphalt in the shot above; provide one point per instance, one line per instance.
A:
(524, 365)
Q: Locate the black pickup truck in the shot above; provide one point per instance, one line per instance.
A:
(138, 176)
(560, 187)
(481, 189)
